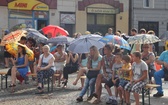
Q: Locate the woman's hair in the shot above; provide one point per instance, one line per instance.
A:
(47, 46)
(151, 32)
(23, 51)
(109, 47)
(127, 58)
(60, 46)
(96, 53)
(83, 56)
(137, 54)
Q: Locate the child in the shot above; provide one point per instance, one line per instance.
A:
(125, 76)
(138, 80)
(115, 79)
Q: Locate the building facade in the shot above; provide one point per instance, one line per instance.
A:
(73, 15)
(151, 15)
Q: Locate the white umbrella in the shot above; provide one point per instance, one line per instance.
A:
(143, 39)
(83, 43)
(60, 40)
(36, 35)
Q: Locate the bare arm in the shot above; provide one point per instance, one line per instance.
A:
(144, 76)
(74, 59)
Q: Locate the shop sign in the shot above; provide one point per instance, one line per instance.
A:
(28, 5)
(103, 10)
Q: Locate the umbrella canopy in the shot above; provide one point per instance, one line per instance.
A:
(13, 36)
(143, 39)
(36, 35)
(12, 48)
(60, 40)
(54, 30)
(164, 36)
(116, 40)
(83, 43)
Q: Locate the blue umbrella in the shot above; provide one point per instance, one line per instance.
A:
(116, 40)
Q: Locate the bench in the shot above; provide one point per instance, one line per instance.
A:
(3, 74)
(147, 87)
(48, 80)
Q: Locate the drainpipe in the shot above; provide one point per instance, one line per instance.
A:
(130, 17)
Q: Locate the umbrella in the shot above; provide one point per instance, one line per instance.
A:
(164, 36)
(143, 39)
(36, 35)
(83, 43)
(60, 40)
(116, 40)
(12, 48)
(54, 30)
(13, 36)
(18, 27)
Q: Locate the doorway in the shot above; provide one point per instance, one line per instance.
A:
(41, 24)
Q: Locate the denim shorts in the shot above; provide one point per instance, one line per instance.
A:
(123, 82)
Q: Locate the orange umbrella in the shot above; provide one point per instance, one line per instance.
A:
(12, 48)
(13, 36)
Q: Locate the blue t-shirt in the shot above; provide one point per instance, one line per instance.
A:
(164, 56)
(84, 62)
(95, 63)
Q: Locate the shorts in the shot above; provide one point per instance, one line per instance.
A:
(123, 82)
(110, 83)
(7, 54)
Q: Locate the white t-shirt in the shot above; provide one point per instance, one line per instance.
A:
(138, 69)
(46, 60)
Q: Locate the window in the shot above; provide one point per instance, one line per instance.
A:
(148, 3)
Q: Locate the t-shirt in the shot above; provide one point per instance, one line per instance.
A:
(47, 59)
(138, 69)
(164, 56)
(127, 74)
(116, 67)
(84, 62)
(95, 63)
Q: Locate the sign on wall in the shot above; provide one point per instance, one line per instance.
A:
(103, 10)
(28, 5)
(68, 18)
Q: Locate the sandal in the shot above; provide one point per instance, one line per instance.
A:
(96, 102)
(80, 88)
(95, 95)
(12, 85)
(90, 98)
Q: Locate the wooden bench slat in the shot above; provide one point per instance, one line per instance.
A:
(152, 85)
(3, 73)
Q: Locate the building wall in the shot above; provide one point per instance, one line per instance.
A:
(159, 13)
(3, 19)
(123, 17)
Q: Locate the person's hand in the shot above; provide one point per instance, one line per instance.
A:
(38, 68)
(105, 74)
(114, 81)
(135, 81)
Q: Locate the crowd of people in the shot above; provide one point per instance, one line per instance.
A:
(127, 71)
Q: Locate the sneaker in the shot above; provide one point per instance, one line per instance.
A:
(158, 95)
(111, 102)
(79, 99)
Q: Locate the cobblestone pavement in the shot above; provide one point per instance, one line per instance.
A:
(24, 95)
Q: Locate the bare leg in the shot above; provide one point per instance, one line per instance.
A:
(80, 73)
(59, 77)
(136, 96)
(82, 82)
(108, 90)
(127, 96)
(120, 92)
(6, 62)
(13, 75)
